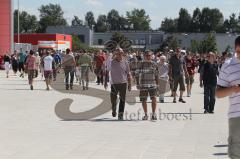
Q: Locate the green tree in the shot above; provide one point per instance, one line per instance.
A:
(113, 20)
(231, 24)
(196, 21)
(211, 20)
(124, 23)
(139, 19)
(101, 25)
(76, 21)
(184, 21)
(51, 15)
(118, 37)
(78, 45)
(89, 18)
(194, 46)
(169, 25)
(208, 44)
(170, 42)
(28, 23)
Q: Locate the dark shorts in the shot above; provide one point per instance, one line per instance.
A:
(48, 74)
(144, 93)
(234, 138)
(178, 80)
(189, 80)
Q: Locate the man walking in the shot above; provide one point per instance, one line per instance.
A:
(147, 82)
(99, 61)
(163, 77)
(69, 64)
(120, 80)
(31, 66)
(85, 62)
(21, 59)
(48, 63)
(228, 85)
(177, 69)
(208, 79)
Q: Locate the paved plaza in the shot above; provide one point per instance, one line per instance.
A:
(30, 129)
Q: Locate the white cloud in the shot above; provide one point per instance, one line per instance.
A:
(95, 3)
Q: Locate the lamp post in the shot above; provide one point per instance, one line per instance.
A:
(18, 23)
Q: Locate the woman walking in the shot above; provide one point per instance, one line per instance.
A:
(31, 67)
(7, 60)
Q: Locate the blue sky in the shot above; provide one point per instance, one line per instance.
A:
(157, 9)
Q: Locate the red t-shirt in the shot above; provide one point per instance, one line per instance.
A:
(190, 64)
(100, 60)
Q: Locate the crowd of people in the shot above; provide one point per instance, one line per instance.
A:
(153, 73)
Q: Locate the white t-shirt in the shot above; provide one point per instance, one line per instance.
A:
(48, 60)
(230, 76)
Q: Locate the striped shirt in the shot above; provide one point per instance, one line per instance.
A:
(230, 76)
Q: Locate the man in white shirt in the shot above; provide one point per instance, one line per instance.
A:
(48, 62)
(229, 85)
(163, 76)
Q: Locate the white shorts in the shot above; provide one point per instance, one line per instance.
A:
(7, 66)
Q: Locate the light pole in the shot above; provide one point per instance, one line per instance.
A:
(18, 24)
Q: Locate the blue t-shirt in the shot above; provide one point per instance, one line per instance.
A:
(22, 57)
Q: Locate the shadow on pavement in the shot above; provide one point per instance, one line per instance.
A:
(220, 154)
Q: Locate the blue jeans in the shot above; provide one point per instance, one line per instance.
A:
(209, 97)
(69, 72)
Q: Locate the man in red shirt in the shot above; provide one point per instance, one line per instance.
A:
(191, 65)
(99, 61)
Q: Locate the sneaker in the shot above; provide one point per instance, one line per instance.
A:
(154, 117)
(145, 117)
(181, 100)
(174, 101)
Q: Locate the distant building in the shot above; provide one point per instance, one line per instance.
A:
(46, 41)
(142, 39)
(6, 26)
(139, 39)
(85, 34)
(223, 40)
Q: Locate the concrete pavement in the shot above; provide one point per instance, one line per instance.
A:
(30, 128)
